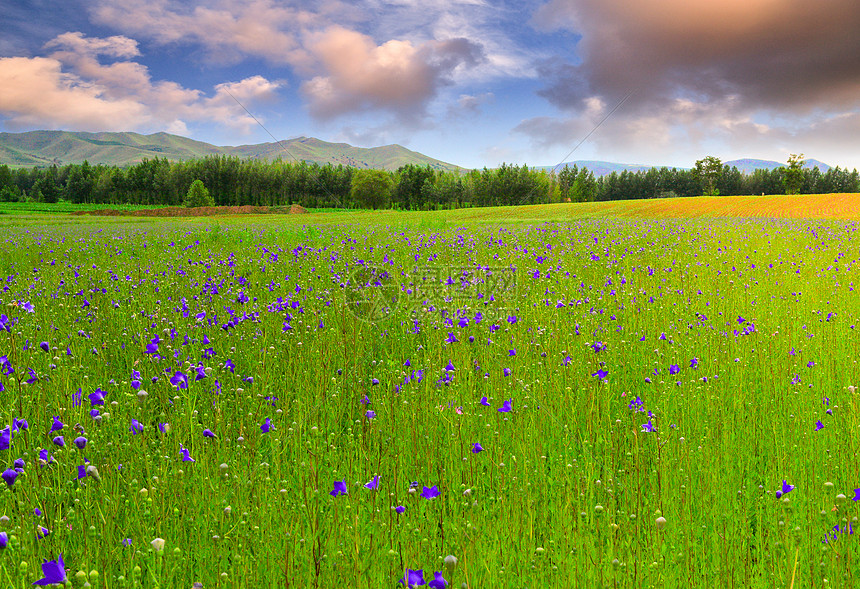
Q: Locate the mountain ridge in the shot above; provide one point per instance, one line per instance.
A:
(45, 148)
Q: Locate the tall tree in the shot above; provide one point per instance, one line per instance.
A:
(709, 171)
(792, 178)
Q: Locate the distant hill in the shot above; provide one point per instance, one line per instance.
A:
(43, 148)
(745, 166)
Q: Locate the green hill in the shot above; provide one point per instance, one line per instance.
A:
(43, 148)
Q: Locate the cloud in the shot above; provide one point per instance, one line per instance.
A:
(358, 74)
(72, 89)
(38, 93)
(787, 54)
(228, 31)
(742, 75)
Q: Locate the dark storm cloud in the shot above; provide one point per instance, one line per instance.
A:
(778, 54)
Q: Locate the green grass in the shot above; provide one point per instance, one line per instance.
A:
(569, 487)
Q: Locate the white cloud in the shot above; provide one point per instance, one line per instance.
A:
(72, 89)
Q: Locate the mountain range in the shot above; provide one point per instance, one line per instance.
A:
(745, 166)
(44, 148)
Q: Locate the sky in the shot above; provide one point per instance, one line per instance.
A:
(471, 82)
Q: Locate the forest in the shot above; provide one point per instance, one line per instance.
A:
(234, 181)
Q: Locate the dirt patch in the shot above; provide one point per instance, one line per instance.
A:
(198, 211)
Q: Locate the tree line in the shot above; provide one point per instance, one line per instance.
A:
(233, 181)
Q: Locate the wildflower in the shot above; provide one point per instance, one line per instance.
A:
(506, 406)
(412, 578)
(507, 371)
(399, 509)
(450, 367)
(438, 581)
(786, 488)
(339, 488)
(374, 382)
(430, 492)
(136, 427)
(674, 369)
(648, 427)
(600, 374)
(207, 433)
(819, 425)
(9, 475)
(53, 572)
(186, 456)
(373, 484)
(365, 400)
(45, 347)
(370, 414)
(59, 441)
(57, 425)
(856, 494)
(5, 438)
(126, 542)
(267, 426)
(485, 402)
(80, 442)
(4, 540)
(476, 447)
(598, 347)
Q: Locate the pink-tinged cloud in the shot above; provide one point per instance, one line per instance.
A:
(36, 92)
(357, 74)
(229, 31)
(72, 89)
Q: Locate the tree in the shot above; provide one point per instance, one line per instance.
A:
(709, 171)
(371, 188)
(792, 178)
(198, 196)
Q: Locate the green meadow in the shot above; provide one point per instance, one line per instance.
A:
(592, 395)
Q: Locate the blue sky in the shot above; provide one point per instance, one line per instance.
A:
(472, 82)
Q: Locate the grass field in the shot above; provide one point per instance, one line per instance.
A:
(643, 394)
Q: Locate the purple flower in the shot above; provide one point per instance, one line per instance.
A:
(506, 406)
(430, 492)
(53, 571)
(674, 369)
(9, 475)
(374, 382)
(786, 488)
(4, 540)
(97, 397)
(80, 442)
(207, 433)
(507, 371)
(57, 425)
(485, 402)
(648, 427)
(186, 456)
(819, 425)
(476, 447)
(412, 578)
(370, 414)
(339, 488)
(856, 494)
(82, 471)
(179, 380)
(598, 347)
(136, 427)
(126, 542)
(365, 400)
(438, 581)
(401, 509)
(373, 484)
(600, 374)
(450, 367)
(45, 347)
(59, 441)
(267, 426)
(5, 438)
